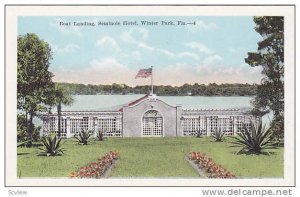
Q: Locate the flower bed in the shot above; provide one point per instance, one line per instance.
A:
(97, 169)
(210, 168)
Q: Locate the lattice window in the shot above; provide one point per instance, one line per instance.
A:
(49, 124)
(75, 125)
(119, 123)
(63, 129)
(226, 125)
(152, 124)
(214, 124)
(95, 120)
(240, 121)
(85, 123)
(79, 124)
(191, 126)
(110, 126)
(203, 125)
(186, 122)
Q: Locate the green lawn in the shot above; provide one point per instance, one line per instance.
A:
(149, 157)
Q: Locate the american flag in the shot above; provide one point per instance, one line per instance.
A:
(144, 73)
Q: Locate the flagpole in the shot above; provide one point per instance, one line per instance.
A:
(151, 80)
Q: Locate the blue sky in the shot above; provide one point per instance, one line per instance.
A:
(213, 50)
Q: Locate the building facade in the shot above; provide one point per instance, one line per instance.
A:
(150, 117)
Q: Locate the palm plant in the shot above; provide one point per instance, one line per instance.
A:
(61, 97)
(52, 145)
(255, 139)
(83, 137)
(218, 135)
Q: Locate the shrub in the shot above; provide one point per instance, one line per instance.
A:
(83, 137)
(255, 139)
(35, 136)
(52, 145)
(277, 126)
(22, 131)
(21, 128)
(218, 135)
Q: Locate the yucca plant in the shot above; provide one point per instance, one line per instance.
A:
(199, 133)
(100, 135)
(254, 140)
(20, 144)
(83, 137)
(52, 145)
(218, 135)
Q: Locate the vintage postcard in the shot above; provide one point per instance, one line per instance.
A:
(150, 95)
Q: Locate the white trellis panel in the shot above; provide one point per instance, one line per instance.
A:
(206, 121)
(152, 124)
(192, 125)
(74, 122)
(228, 121)
(110, 126)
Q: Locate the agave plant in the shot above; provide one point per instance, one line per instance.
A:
(100, 135)
(83, 137)
(199, 133)
(254, 139)
(218, 135)
(52, 145)
(20, 144)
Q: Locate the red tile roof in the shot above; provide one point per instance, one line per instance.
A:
(135, 102)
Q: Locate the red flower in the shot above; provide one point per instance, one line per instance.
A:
(207, 163)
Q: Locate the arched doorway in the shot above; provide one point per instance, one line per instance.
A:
(152, 123)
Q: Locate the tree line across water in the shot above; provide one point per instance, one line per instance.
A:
(196, 89)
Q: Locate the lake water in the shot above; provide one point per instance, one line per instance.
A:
(98, 102)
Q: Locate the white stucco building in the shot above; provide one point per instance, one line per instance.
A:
(150, 117)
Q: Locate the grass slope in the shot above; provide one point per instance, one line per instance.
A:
(149, 157)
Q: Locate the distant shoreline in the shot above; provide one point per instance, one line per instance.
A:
(196, 89)
(162, 95)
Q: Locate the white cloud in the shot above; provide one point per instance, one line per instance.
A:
(201, 26)
(108, 42)
(108, 63)
(180, 73)
(137, 36)
(105, 71)
(145, 46)
(188, 55)
(199, 46)
(212, 59)
(68, 48)
(134, 35)
(166, 52)
(108, 71)
(159, 50)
